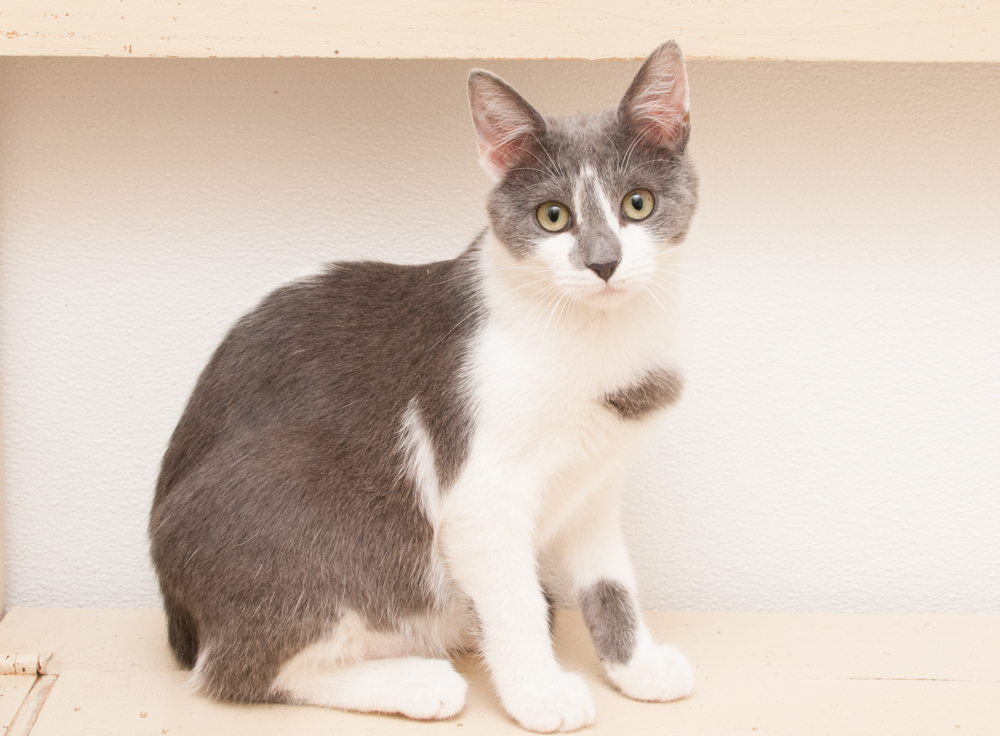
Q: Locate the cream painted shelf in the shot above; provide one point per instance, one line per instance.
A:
(756, 674)
(868, 30)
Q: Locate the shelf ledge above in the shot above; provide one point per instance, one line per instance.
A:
(873, 30)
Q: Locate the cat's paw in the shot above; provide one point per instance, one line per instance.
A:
(564, 704)
(657, 673)
(434, 690)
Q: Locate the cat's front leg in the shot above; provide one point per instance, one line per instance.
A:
(488, 541)
(593, 551)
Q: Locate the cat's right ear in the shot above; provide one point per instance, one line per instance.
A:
(508, 129)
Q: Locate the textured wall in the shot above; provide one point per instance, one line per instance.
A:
(837, 449)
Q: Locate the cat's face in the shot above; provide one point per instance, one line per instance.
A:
(593, 202)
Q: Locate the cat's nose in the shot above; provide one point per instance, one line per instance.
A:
(604, 270)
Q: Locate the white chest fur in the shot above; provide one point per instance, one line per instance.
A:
(540, 372)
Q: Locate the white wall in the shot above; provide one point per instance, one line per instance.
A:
(837, 449)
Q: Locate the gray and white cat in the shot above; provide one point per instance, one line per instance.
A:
(375, 457)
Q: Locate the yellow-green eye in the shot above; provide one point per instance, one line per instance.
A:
(638, 204)
(553, 216)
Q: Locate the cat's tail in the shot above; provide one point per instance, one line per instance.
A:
(182, 634)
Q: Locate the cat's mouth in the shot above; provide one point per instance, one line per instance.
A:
(607, 293)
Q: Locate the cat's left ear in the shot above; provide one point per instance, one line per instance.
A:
(655, 108)
(508, 129)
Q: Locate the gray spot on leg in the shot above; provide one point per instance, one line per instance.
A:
(656, 390)
(612, 620)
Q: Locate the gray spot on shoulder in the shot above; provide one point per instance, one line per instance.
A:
(656, 390)
(607, 608)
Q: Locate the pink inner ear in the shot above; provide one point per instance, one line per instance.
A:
(659, 108)
(500, 149)
(506, 125)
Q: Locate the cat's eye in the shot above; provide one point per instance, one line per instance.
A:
(638, 204)
(553, 216)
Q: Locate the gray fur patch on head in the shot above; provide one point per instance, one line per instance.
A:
(635, 146)
(656, 390)
(620, 161)
(612, 619)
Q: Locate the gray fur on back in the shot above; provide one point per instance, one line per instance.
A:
(281, 498)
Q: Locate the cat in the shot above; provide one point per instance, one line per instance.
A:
(375, 457)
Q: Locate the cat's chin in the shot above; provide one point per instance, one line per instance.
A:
(607, 296)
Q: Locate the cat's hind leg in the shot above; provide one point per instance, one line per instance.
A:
(355, 668)
(415, 687)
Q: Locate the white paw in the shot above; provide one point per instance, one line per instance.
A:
(433, 691)
(564, 704)
(658, 673)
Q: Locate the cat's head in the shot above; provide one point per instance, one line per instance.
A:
(594, 201)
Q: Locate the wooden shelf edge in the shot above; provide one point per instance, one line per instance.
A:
(877, 30)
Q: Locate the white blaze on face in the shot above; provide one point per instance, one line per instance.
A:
(638, 248)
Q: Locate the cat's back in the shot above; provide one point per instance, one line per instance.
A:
(343, 351)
